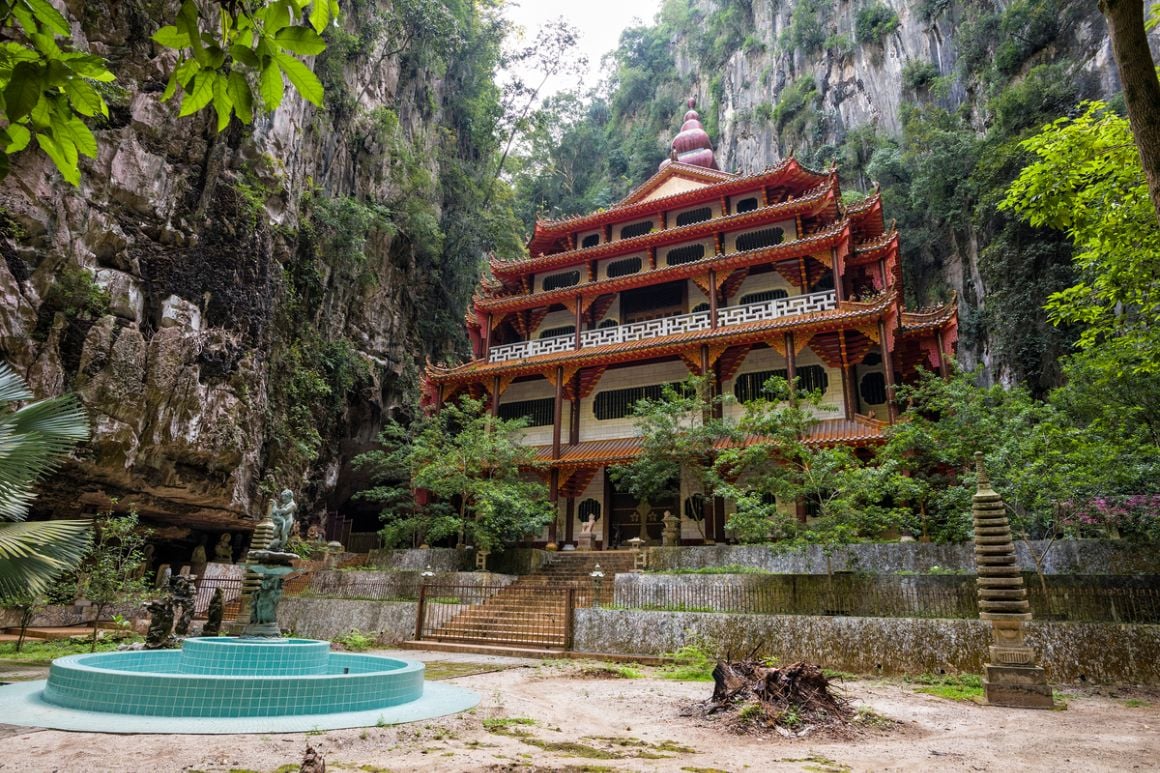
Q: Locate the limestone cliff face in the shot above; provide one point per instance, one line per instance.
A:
(167, 291)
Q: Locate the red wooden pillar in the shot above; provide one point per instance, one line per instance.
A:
(839, 291)
(713, 300)
(888, 369)
(790, 364)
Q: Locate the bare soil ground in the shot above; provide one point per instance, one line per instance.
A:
(565, 716)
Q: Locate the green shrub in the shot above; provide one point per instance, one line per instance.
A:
(691, 663)
(918, 74)
(874, 23)
(356, 641)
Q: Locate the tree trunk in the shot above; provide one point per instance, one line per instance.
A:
(1141, 87)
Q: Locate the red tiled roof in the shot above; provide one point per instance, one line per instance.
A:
(847, 314)
(810, 202)
(548, 231)
(859, 430)
(919, 321)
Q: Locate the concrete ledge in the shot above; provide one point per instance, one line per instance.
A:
(1103, 653)
(389, 622)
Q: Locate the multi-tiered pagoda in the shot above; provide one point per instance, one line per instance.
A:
(696, 271)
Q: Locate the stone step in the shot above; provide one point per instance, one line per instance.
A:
(529, 652)
(487, 639)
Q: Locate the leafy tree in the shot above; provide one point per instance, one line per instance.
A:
(473, 464)
(28, 604)
(1087, 181)
(34, 438)
(109, 571)
(47, 89)
(680, 438)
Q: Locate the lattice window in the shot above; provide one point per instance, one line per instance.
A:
(749, 386)
(636, 229)
(700, 307)
(747, 205)
(591, 240)
(624, 267)
(685, 254)
(539, 413)
(873, 388)
(694, 216)
(767, 237)
(552, 332)
(763, 296)
(607, 323)
(618, 403)
(566, 279)
(872, 358)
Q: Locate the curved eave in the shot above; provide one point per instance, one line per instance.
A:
(848, 314)
(785, 251)
(915, 323)
(870, 251)
(812, 202)
(547, 233)
(867, 218)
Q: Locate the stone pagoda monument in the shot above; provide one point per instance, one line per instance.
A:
(1014, 677)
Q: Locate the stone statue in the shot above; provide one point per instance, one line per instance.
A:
(146, 561)
(198, 558)
(266, 600)
(213, 623)
(184, 598)
(282, 511)
(223, 552)
(160, 633)
(590, 525)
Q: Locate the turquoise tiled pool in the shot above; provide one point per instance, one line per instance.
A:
(228, 677)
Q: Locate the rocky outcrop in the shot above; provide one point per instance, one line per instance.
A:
(168, 289)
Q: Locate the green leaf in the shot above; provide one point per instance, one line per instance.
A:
(305, 81)
(18, 138)
(271, 87)
(320, 15)
(200, 94)
(49, 16)
(88, 66)
(222, 104)
(300, 40)
(24, 90)
(84, 98)
(80, 136)
(170, 37)
(54, 151)
(245, 55)
(277, 16)
(185, 72)
(243, 99)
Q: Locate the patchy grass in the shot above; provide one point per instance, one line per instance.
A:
(1136, 703)
(961, 687)
(38, 652)
(819, 763)
(868, 717)
(609, 671)
(502, 725)
(690, 664)
(445, 669)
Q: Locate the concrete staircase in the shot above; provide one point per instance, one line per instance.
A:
(534, 611)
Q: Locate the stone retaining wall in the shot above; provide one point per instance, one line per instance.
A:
(1065, 557)
(390, 622)
(393, 584)
(1103, 653)
(439, 559)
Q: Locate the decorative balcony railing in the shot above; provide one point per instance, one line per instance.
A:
(667, 326)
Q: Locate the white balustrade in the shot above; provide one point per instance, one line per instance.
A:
(667, 326)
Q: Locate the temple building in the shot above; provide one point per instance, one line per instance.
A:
(700, 271)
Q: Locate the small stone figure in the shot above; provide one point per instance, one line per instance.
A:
(282, 511)
(223, 552)
(266, 600)
(198, 559)
(184, 598)
(213, 623)
(160, 633)
(671, 536)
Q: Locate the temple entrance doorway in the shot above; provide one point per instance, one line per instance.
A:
(624, 520)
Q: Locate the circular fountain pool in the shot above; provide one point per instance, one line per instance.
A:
(278, 684)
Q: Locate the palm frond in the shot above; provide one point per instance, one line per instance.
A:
(32, 554)
(12, 387)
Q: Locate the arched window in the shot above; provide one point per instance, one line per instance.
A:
(763, 296)
(767, 237)
(618, 403)
(566, 279)
(588, 510)
(591, 240)
(605, 323)
(688, 254)
(636, 229)
(694, 216)
(748, 386)
(623, 267)
(747, 205)
(552, 332)
(700, 307)
(695, 507)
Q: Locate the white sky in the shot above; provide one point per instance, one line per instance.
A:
(599, 22)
